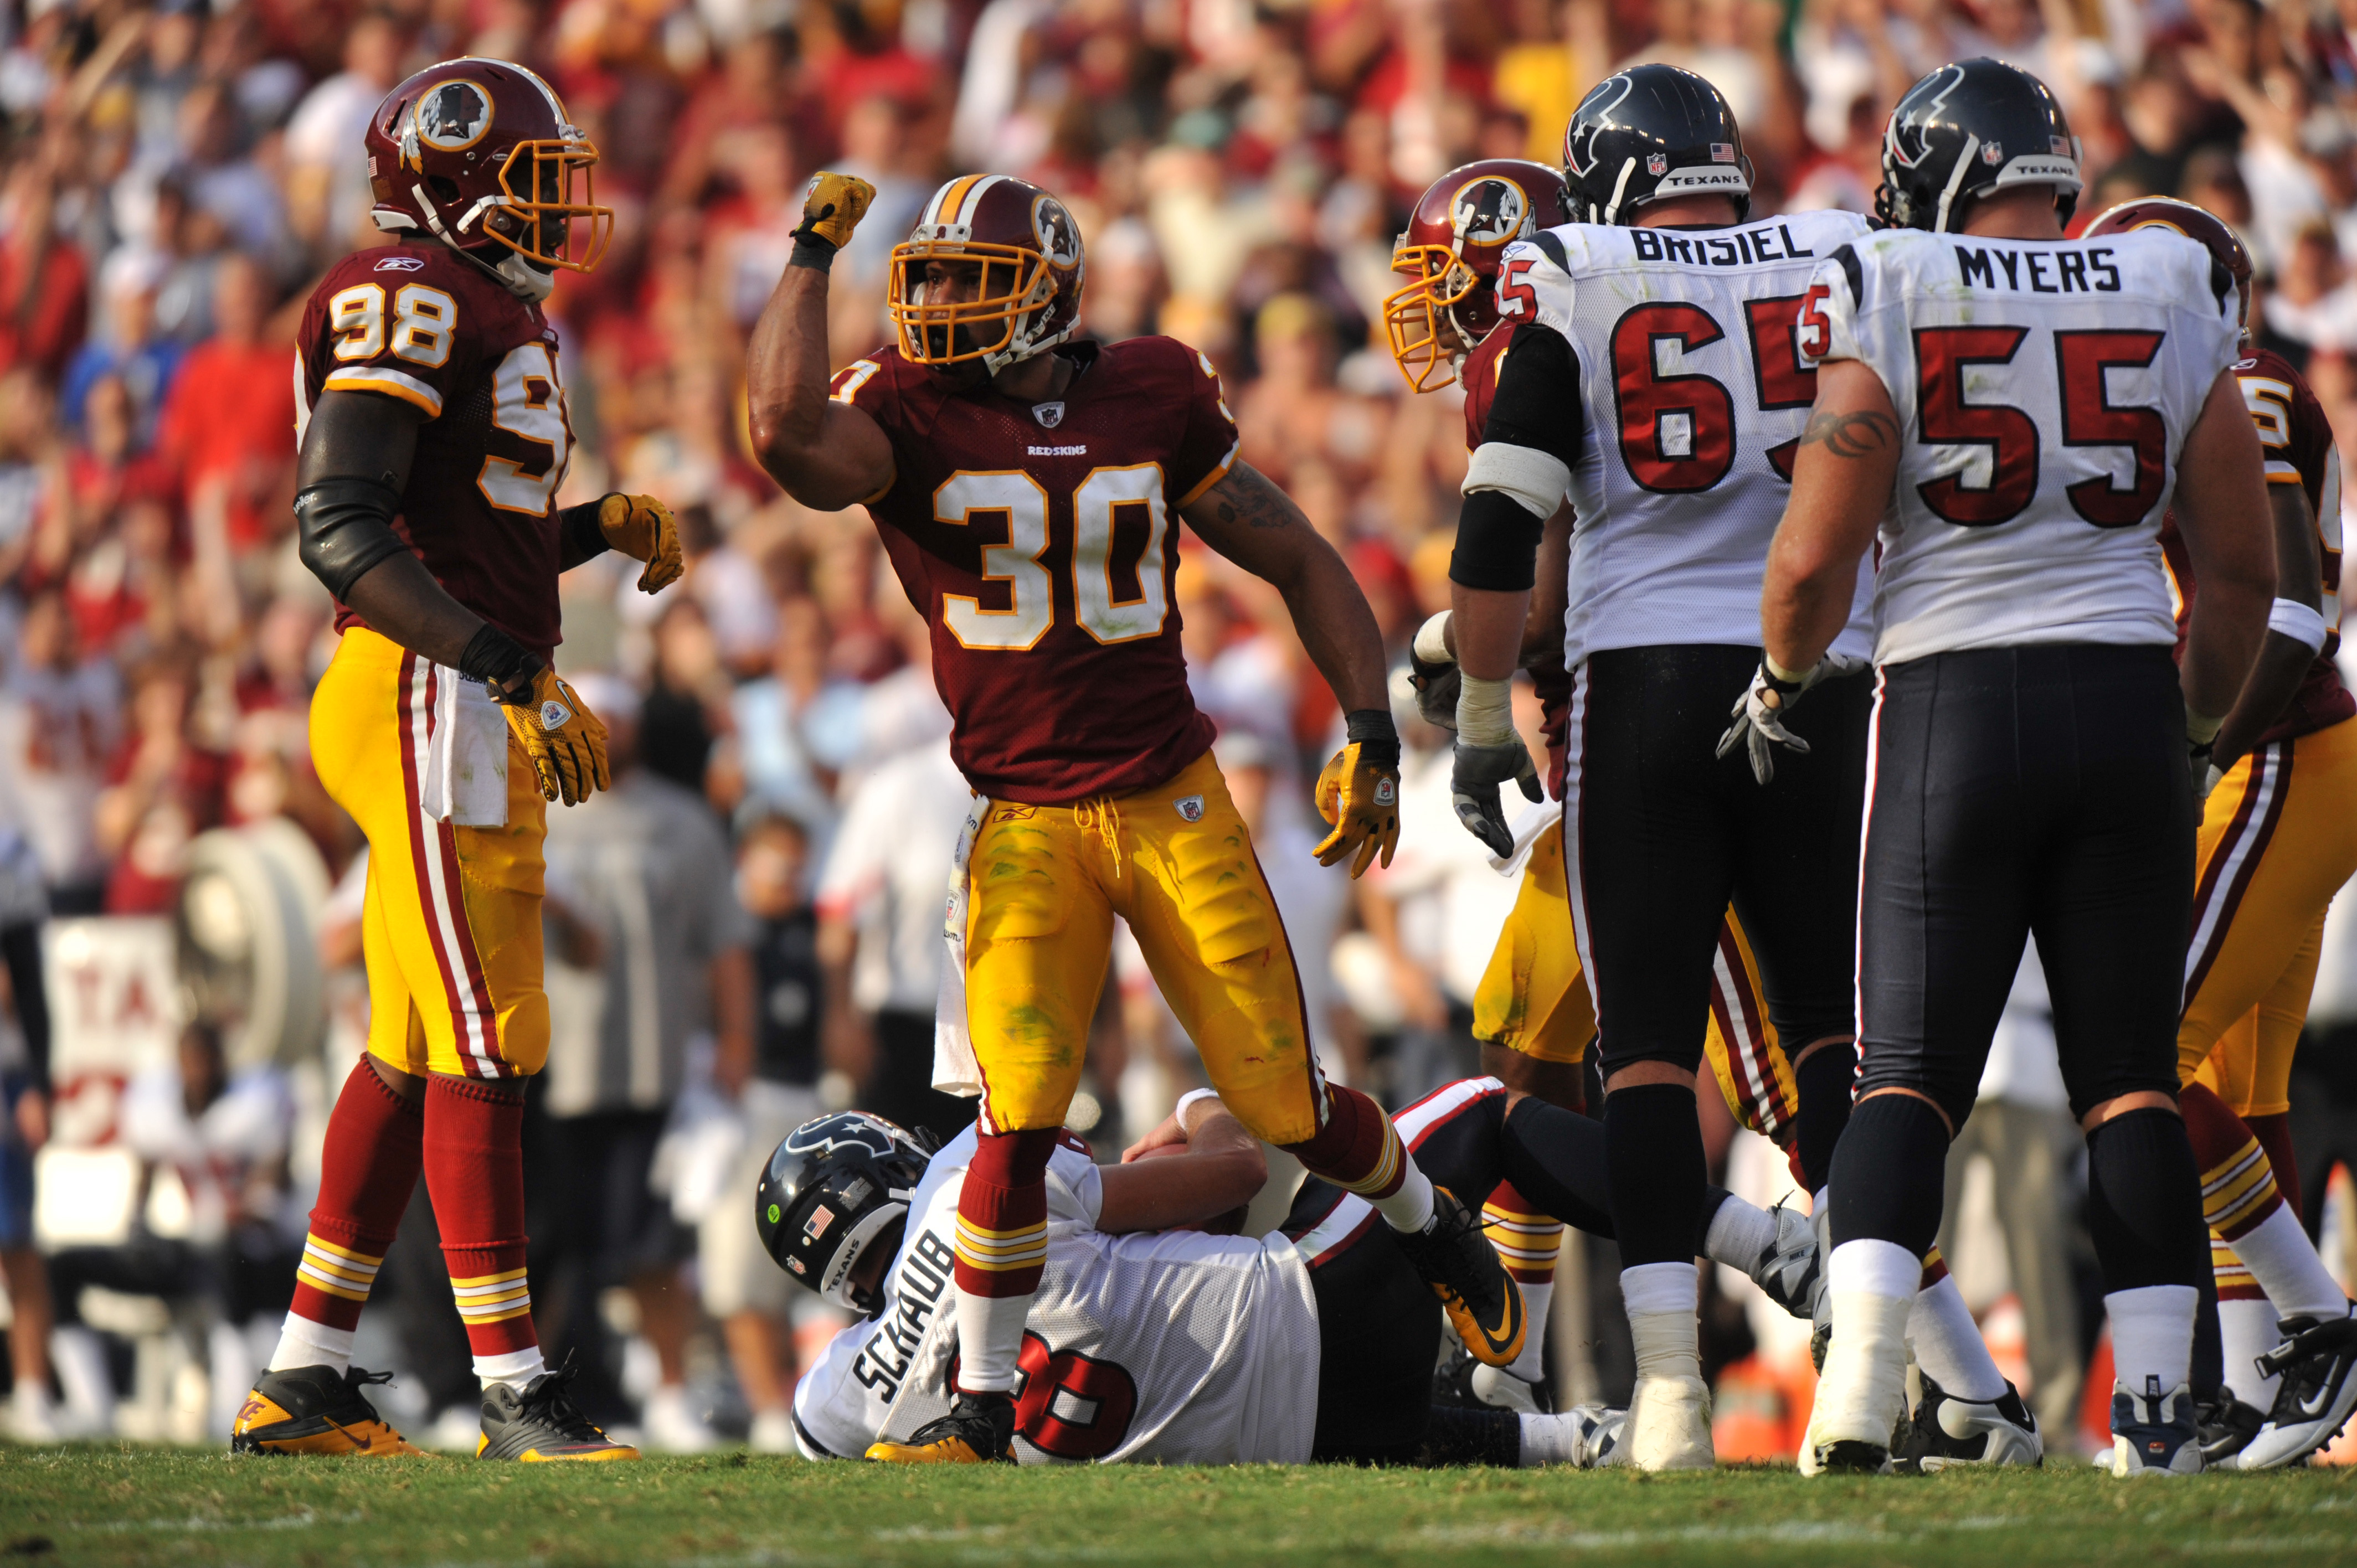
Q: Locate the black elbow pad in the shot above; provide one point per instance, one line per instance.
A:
(1497, 543)
(343, 527)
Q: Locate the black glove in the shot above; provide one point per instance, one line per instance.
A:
(1474, 775)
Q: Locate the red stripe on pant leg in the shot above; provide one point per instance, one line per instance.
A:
(474, 1172)
(367, 1168)
(1935, 1269)
(1348, 1149)
(478, 988)
(1005, 1189)
(1746, 1047)
(2275, 761)
(414, 831)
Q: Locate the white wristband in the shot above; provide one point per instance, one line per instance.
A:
(1179, 1112)
(2297, 621)
(1431, 643)
(1485, 711)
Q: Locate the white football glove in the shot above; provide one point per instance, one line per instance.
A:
(1760, 711)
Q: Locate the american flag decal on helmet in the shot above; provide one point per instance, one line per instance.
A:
(1722, 152)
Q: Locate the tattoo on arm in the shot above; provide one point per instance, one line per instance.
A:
(1246, 495)
(1852, 435)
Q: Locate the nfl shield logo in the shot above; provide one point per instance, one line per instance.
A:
(1386, 792)
(1993, 154)
(554, 714)
(1049, 415)
(1657, 163)
(1191, 809)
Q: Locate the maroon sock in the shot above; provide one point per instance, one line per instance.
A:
(1357, 1148)
(2239, 1189)
(474, 1171)
(1003, 1213)
(2274, 1133)
(367, 1167)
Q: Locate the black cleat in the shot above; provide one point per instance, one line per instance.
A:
(1484, 1305)
(2316, 1361)
(1460, 1382)
(2224, 1427)
(1950, 1431)
(978, 1430)
(542, 1424)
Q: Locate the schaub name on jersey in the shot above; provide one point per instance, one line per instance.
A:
(1684, 343)
(2044, 390)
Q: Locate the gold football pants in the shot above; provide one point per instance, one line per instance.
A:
(2279, 840)
(451, 926)
(1533, 999)
(1176, 862)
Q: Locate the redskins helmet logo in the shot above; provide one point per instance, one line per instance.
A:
(1488, 211)
(454, 116)
(1059, 236)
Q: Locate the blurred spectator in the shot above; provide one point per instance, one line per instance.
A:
(225, 427)
(44, 277)
(127, 345)
(328, 194)
(645, 864)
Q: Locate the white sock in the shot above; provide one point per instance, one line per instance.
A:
(2248, 1328)
(1739, 1235)
(2281, 1258)
(1409, 1208)
(1948, 1344)
(1530, 1365)
(2152, 1335)
(516, 1368)
(1660, 1298)
(990, 1341)
(303, 1343)
(1550, 1440)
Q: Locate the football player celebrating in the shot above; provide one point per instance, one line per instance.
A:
(2277, 841)
(1029, 490)
(1313, 1343)
(1532, 1012)
(433, 440)
(2013, 412)
(1653, 374)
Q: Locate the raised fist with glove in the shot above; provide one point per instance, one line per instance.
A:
(642, 528)
(1760, 711)
(832, 208)
(1488, 752)
(1358, 793)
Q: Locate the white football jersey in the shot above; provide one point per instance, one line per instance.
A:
(1171, 1347)
(2044, 388)
(1692, 398)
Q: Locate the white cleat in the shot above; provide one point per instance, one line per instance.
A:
(1862, 1397)
(2153, 1432)
(1668, 1427)
(1947, 1431)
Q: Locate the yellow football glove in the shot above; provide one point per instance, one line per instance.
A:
(641, 527)
(1358, 794)
(563, 738)
(832, 207)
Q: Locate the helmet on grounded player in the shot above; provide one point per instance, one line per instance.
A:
(1969, 129)
(1021, 248)
(832, 1189)
(478, 154)
(1647, 134)
(2183, 218)
(1451, 251)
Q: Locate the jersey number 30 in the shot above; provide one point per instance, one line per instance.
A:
(1119, 523)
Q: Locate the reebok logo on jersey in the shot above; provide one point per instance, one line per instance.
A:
(554, 714)
(1191, 809)
(402, 264)
(1080, 451)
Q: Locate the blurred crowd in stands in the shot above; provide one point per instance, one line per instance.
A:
(748, 929)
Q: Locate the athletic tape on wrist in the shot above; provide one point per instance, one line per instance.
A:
(2298, 621)
(1431, 643)
(1179, 1112)
(2200, 729)
(1485, 711)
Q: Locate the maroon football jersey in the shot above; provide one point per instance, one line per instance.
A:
(418, 322)
(1548, 677)
(1040, 542)
(2297, 444)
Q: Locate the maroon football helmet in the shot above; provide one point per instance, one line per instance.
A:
(2194, 223)
(478, 154)
(1450, 255)
(1026, 250)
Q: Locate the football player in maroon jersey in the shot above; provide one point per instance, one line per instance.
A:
(1024, 485)
(2277, 841)
(433, 440)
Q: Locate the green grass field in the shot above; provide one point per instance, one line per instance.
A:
(142, 1505)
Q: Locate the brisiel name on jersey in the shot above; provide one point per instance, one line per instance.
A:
(923, 1276)
(2069, 277)
(1726, 248)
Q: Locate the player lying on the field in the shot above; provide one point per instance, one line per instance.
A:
(1159, 1335)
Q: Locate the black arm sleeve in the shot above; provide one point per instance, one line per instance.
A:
(349, 476)
(343, 527)
(1497, 543)
(1537, 402)
(578, 536)
(21, 947)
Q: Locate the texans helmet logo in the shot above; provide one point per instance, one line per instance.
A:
(454, 116)
(1488, 211)
(840, 1130)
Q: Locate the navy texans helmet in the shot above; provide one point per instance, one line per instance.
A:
(834, 1187)
(1969, 129)
(1647, 134)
